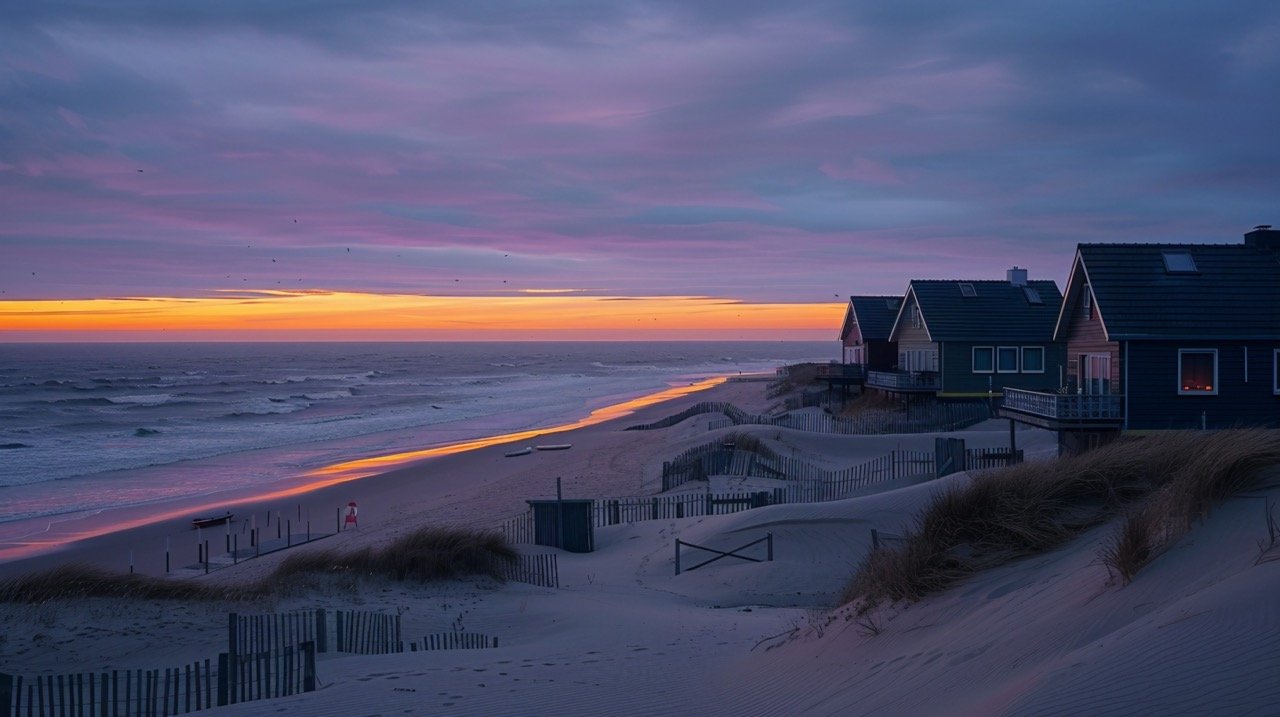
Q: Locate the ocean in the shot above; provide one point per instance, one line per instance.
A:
(90, 427)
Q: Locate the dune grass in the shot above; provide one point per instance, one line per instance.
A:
(1165, 482)
(424, 555)
(80, 581)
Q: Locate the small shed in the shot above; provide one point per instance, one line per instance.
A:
(567, 524)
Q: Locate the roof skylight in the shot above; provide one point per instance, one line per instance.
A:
(1033, 296)
(1179, 262)
(966, 289)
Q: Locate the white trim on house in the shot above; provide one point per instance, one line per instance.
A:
(1213, 389)
(1025, 349)
(1017, 355)
(973, 359)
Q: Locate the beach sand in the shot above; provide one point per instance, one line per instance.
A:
(625, 635)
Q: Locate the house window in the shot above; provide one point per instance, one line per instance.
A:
(1275, 372)
(1007, 359)
(1198, 372)
(915, 316)
(1033, 359)
(984, 359)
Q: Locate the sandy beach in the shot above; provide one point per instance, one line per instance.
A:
(623, 634)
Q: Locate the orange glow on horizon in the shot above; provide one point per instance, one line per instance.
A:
(250, 313)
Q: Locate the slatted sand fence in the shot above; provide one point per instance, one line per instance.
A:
(194, 687)
(267, 674)
(942, 416)
(454, 641)
(366, 633)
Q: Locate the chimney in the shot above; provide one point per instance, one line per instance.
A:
(1016, 276)
(1263, 237)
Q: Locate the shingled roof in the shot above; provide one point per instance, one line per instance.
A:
(1233, 293)
(875, 315)
(997, 310)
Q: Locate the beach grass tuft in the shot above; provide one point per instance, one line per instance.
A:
(80, 581)
(426, 554)
(1166, 482)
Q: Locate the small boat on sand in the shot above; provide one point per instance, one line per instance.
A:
(556, 447)
(211, 520)
(521, 452)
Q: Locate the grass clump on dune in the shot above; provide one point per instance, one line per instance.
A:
(425, 554)
(79, 581)
(1166, 482)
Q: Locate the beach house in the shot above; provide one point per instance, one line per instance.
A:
(971, 339)
(1164, 336)
(864, 336)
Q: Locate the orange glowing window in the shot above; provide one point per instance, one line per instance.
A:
(1197, 371)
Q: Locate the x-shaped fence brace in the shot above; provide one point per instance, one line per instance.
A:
(768, 538)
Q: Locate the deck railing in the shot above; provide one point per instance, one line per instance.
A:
(904, 380)
(1066, 407)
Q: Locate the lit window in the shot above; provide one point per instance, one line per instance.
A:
(1007, 359)
(1179, 262)
(1033, 359)
(984, 359)
(1198, 371)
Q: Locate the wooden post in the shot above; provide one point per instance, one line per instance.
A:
(875, 539)
(224, 673)
(677, 556)
(289, 534)
(6, 695)
(166, 555)
(308, 666)
(337, 528)
(1013, 444)
(770, 544)
(322, 635)
(206, 557)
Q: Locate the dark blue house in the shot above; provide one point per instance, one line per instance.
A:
(1165, 336)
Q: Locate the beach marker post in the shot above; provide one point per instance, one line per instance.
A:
(130, 561)
(166, 555)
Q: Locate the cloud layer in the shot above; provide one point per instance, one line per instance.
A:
(793, 152)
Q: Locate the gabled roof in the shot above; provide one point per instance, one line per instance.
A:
(874, 315)
(1233, 293)
(996, 311)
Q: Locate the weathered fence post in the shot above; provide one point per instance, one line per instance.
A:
(677, 556)
(770, 544)
(224, 675)
(875, 539)
(308, 666)
(6, 695)
(322, 634)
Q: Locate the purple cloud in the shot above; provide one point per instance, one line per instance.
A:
(760, 152)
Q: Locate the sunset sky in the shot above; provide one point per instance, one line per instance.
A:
(386, 169)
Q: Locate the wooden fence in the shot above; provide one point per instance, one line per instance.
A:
(805, 483)
(353, 631)
(455, 641)
(919, 419)
(161, 692)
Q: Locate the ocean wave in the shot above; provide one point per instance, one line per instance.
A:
(146, 399)
(325, 395)
(144, 432)
(13, 446)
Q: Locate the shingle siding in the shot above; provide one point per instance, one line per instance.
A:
(1154, 402)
